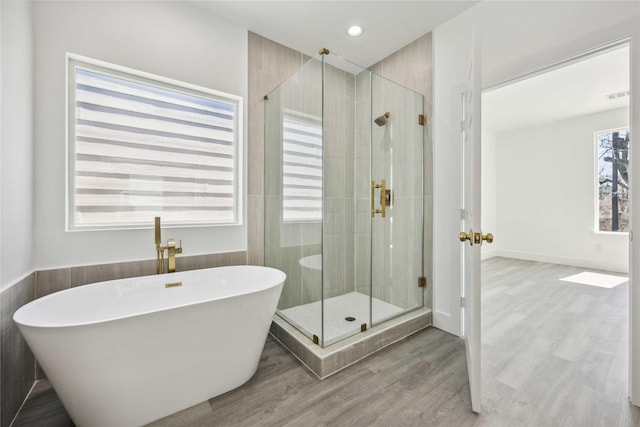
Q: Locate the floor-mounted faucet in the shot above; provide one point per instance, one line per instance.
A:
(171, 249)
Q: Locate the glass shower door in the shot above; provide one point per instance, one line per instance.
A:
(397, 200)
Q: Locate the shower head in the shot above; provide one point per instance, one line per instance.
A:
(382, 120)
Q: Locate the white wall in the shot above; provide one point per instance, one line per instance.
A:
(517, 38)
(16, 150)
(170, 39)
(546, 194)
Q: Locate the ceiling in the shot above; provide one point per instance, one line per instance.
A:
(307, 26)
(575, 89)
(571, 90)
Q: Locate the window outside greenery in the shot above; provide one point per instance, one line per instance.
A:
(613, 180)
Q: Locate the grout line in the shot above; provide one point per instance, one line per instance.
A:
(23, 402)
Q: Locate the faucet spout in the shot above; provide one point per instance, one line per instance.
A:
(171, 249)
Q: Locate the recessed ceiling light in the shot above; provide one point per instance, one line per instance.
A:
(354, 31)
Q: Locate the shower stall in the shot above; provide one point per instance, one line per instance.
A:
(344, 198)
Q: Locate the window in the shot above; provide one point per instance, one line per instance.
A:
(141, 146)
(613, 180)
(301, 168)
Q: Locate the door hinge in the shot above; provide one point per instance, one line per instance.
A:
(422, 282)
(463, 302)
(422, 119)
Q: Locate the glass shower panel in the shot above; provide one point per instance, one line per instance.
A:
(346, 305)
(293, 194)
(397, 200)
(343, 198)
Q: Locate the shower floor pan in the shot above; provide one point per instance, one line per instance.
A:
(345, 343)
(353, 305)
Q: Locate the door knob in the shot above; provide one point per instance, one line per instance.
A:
(476, 238)
(466, 236)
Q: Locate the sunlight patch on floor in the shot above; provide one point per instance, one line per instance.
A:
(596, 279)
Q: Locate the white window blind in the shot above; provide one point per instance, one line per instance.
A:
(142, 149)
(301, 168)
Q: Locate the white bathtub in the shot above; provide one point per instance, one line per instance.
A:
(130, 351)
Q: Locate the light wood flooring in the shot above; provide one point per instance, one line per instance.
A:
(554, 354)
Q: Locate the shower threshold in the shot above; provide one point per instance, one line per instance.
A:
(332, 358)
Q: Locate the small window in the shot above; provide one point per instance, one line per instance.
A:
(613, 180)
(142, 146)
(301, 168)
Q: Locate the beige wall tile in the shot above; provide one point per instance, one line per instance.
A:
(17, 363)
(50, 281)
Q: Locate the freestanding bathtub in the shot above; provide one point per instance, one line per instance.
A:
(127, 352)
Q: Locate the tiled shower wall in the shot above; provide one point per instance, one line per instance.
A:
(286, 244)
(270, 64)
(412, 67)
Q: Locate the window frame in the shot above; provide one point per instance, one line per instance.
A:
(73, 62)
(596, 181)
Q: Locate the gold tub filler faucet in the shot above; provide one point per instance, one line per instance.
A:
(171, 249)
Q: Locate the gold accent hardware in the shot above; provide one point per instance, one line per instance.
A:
(422, 282)
(385, 195)
(477, 238)
(363, 327)
(323, 51)
(171, 249)
(466, 236)
(316, 340)
(266, 98)
(382, 120)
(172, 284)
(422, 119)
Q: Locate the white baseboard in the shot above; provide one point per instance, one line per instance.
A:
(443, 321)
(488, 253)
(621, 267)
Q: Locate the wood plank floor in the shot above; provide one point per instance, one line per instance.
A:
(554, 354)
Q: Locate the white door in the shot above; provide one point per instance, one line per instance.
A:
(471, 236)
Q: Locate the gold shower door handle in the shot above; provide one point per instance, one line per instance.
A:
(383, 197)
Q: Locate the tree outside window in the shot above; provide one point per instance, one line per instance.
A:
(613, 180)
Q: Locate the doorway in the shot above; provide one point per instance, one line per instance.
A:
(550, 137)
